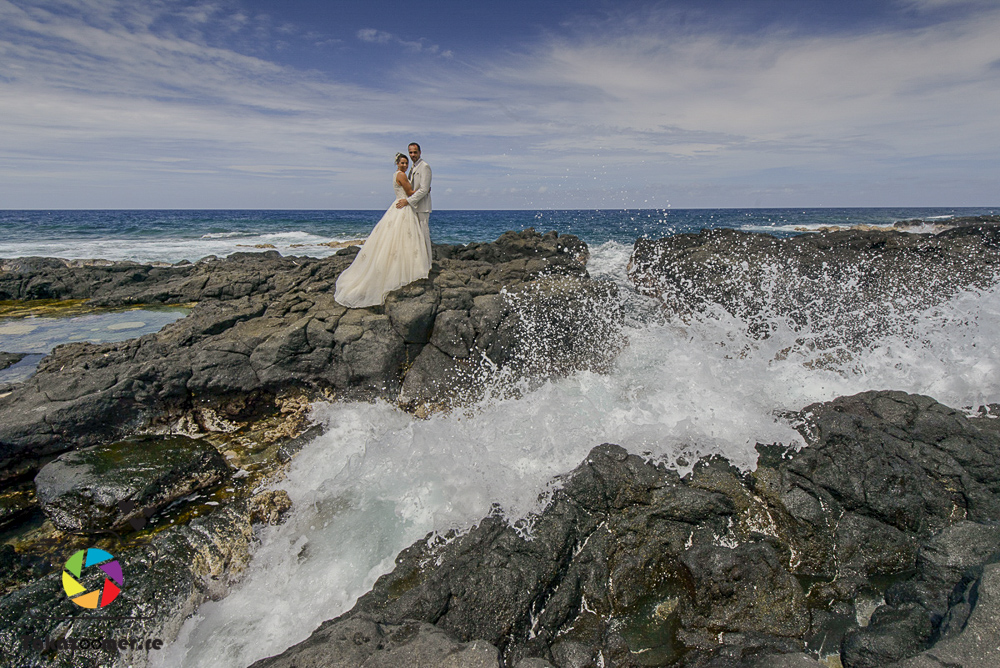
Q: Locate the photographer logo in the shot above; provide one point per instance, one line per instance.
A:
(90, 567)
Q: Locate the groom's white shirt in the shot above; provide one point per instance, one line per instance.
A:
(421, 181)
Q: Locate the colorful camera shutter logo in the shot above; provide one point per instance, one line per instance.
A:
(78, 564)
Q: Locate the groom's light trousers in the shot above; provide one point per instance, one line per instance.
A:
(425, 231)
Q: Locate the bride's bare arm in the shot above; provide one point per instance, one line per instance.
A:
(405, 182)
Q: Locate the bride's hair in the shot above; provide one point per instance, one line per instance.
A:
(401, 155)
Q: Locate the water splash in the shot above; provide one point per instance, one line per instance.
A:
(682, 387)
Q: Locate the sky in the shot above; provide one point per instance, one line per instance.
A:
(521, 104)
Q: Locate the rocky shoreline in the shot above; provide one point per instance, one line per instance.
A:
(876, 545)
(266, 324)
(265, 338)
(187, 425)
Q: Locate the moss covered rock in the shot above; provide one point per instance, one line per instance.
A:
(105, 486)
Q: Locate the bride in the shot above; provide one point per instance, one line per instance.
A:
(394, 254)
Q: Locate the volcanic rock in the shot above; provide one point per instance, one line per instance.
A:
(632, 565)
(8, 359)
(165, 581)
(105, 486)
(265, 324)
(851, 285)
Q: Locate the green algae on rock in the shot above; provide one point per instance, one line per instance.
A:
(165, 581)
(84, 490)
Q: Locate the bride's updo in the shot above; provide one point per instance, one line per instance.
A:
(400, 155)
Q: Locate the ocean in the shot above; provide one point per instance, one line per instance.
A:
(380, 479)
(171, 236)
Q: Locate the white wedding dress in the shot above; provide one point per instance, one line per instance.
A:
(394, 254)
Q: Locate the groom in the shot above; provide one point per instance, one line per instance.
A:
(420, 200)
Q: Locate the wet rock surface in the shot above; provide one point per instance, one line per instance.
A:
(266, 323)
(15, 502)
(632, 565)
(969, 638)
(361, 641)
(165, 581)
(9, 359)
(853, 285)
(108, 486)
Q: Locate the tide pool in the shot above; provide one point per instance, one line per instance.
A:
(35, 328)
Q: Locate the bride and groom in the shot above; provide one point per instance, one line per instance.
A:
(398, 250)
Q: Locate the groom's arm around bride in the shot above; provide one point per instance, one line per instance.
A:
(420, 179)
(420, 200)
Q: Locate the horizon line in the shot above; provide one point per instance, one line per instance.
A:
(655, 208)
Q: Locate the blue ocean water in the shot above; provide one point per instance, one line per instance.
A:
(174, 235)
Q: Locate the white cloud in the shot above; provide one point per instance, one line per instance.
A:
(373, 36)
(835, 103)
(612, 115)
(376, 36)
(100, 95)
(929, 5)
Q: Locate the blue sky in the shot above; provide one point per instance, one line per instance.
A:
(517, 104)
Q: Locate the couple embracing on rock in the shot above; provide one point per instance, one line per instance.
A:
(398, 250)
